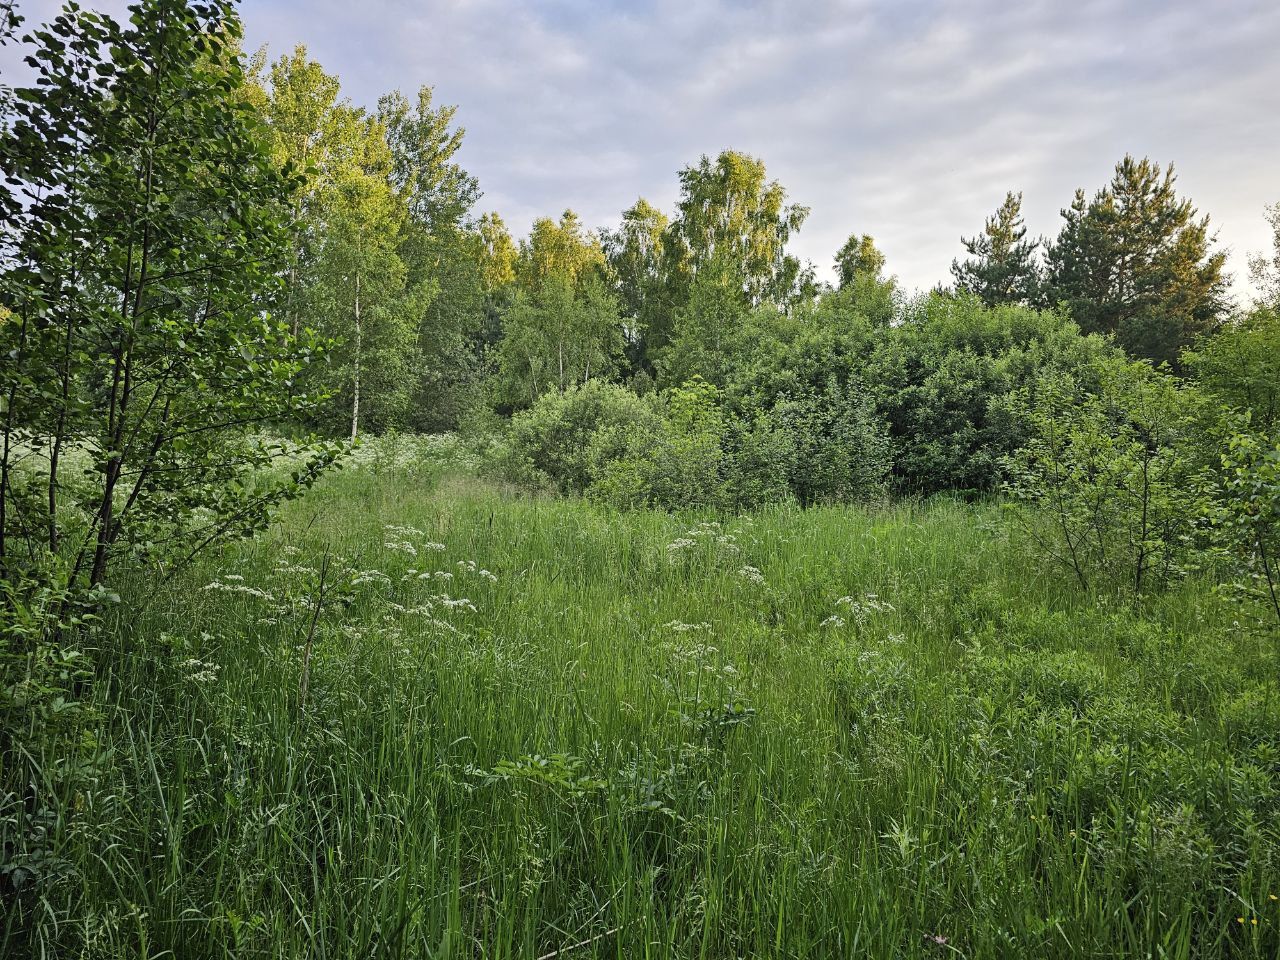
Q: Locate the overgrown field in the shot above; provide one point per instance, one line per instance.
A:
(534, 728)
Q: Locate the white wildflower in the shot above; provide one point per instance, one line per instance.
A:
(680, 627)
(237, 587)
(198, 671)
(369, 576)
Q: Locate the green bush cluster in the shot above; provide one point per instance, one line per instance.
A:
(685, 447)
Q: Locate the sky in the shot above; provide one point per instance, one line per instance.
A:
(905, 119)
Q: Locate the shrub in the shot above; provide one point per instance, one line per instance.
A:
(566, 438)
(1250, 517)
(1240, 368)
(1118, 496)
(679, 462)
(944, 380)
(840, 449)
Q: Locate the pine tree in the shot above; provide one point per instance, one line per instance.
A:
(1137, 262)
(1002, 265)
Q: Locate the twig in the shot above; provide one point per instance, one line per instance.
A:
(581, 943)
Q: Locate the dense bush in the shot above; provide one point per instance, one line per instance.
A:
(1119, 496)
(686, 447)
(565, 438)
(1239, 367)
(945, 377)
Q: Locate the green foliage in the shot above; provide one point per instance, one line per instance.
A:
(1239, 367)
(683, 464)
(944, 380)
(1120, 500)
(771, 736)
(142, 246)
(1264, 268)
(562, 326)
(1250, 519)
(1136, 262)
(568, 436)
(728, 213)
(840, 450)
(708, 329)
(859, 260)
(146, 232)
(1002, 266)
(638, 265)
(384, 261)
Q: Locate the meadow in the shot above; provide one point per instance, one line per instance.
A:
(424, 716)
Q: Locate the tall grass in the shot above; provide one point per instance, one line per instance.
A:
(875, 732)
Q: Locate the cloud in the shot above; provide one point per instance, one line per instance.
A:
(907, 120)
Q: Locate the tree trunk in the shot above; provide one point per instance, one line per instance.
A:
(355, 394)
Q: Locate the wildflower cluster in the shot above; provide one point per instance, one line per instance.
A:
(708, 535)
(859, 611)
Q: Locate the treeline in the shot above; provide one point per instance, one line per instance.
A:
(437, 319)
(275, 259)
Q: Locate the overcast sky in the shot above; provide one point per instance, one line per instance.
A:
(906, 120)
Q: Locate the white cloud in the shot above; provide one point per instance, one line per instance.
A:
(907, 120)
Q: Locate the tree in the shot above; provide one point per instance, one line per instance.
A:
(145, 229)
(730, 215)
(1136, 262)
(1239, 367)
(708, 328)
(498, 253)
(859, 259)
(636, 254)
(1002, 268)
(309, 126)
(1264, 271)
(440, 252)
(562, 326)
(1119, 501)
(423, 141)
(361, 297)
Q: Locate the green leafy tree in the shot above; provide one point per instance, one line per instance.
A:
(441, 251)
(1138, 263)
(709, 328)
(729, 214)
(1002, 266)
(498, 253)
(1251, 519)
(562, 327)
(361, 296)
(145, 235)
(1119, 498)
(636, 252)
(1264, 269)
(943, 377)
(310, 128)
(1239, 366)
(859, 259)
(145, 229)
(862, 289)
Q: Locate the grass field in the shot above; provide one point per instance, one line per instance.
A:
(533, 728)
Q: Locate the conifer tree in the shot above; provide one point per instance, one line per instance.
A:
(1137, 262)
(1002, 266)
